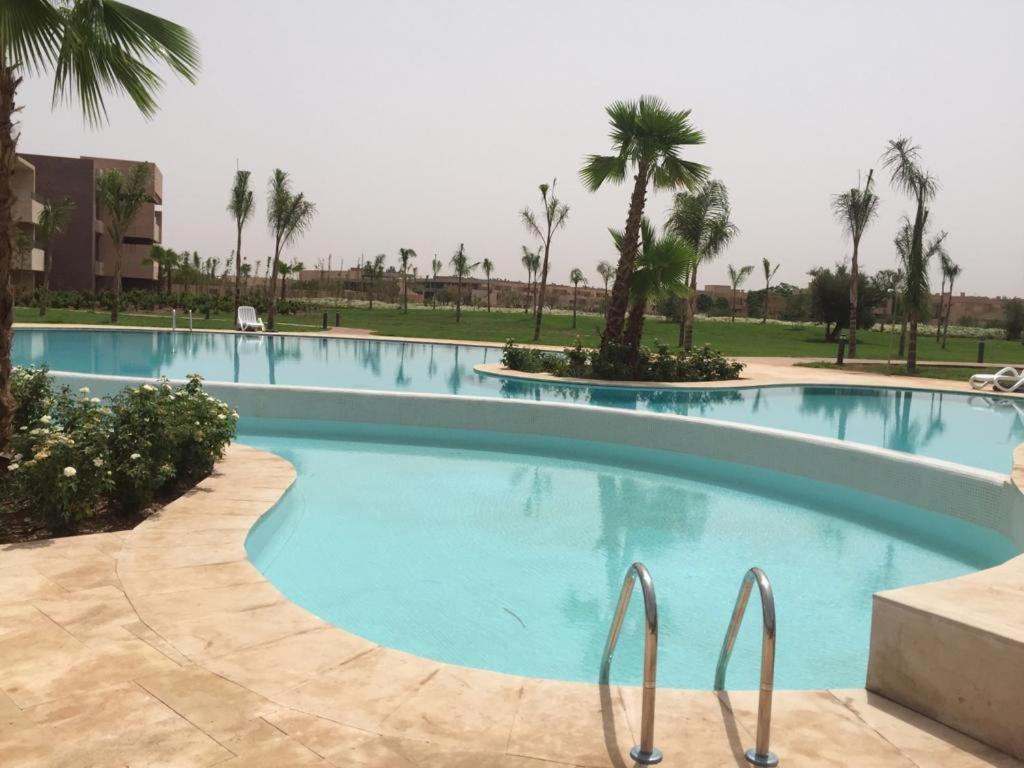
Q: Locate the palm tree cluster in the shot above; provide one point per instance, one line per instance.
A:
(555, 216)
(462, 268)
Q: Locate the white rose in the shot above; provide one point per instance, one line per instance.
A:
(45, 419)
(84, 390)
(12, 467)
(95, 400)
(221, 417)
(135, 456)
(70, 471)
(97, 462)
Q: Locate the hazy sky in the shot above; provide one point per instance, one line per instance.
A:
(426, 124)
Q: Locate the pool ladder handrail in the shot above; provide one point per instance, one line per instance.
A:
(759, 755)
(645, 753)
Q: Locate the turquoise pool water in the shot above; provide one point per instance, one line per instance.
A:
(976, 430)
(508, 552)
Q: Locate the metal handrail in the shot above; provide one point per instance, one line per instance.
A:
(760, 754)
(645, 753)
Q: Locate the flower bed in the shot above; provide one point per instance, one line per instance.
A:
(74, 457)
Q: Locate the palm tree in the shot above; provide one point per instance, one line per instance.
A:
(944, 266)
(854, 209)
(701, 217)
(576, 277)
(952, 272)
(488, 267)
(240, 206)
(93, 47)
(646, 137)
(435, 267)
(605, 270)
(372, 270)
(736, 278)
(463, 269)
(769, 273)
(166, 261)
(903, 160)
(53, 220)
(890, 283)
(405, 257)
(121, 197)
(289, 214)
(556, 216)
(662, 270)
(286, 271)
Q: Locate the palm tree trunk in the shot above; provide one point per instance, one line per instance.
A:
(45, 298)
(949, 311)
(543, 287)
(615, 317)
(488, 294)
(405, 291)
(458, 302)
(691, 313)
(116, 309)
(851, 349)
(574, 306)
(732, 314)
(272, 312)
(8, 145)
(942, 309)
(767, 294)
(634, 330)
(284, 283)
(238, 270)
(912, 343)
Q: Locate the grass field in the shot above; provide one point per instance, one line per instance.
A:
(739, 339)
(949, 372)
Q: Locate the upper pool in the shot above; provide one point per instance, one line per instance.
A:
(975, 430)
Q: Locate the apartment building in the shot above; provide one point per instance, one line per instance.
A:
(83, 256)
(28, 257)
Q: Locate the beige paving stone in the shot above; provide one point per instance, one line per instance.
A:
(74, 575)
(690, 727)
(162, 581)
(120, 726)
(152, 558)
(20, 583)
(387, 751)
(280, 665)
(285, 752)
(219, 707)
(363, 692)
(571, 723)
(323, 736)
(90, 614)
(813, 729)
(21, 617)
(459, 706)
(151, 638)
(197, 603)
(927, 743)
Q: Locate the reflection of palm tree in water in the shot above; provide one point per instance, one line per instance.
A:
(540, 487)
(401, 379)
(455, 377)
(629, 509)
(370, 356)
(432, 365)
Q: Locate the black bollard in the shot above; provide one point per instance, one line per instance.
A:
(325, 321)
(337, 319)
(841, 351)
(981, 350)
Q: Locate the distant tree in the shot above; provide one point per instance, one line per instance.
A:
(488, 268)
(736, 278)
(769, 273)
(435, 268)
(121, 197)
(405, 257)
(53, 220)
(854, 209)
(287, 270)
(1013, 318)
(240, 206)
(289, 215)
(606, 271)
(372, 272)
(531, 260)
(952, 272)
(829, 290)
(705, 303)
(556, 216)
(647, 137)
(889, 283)
(463, 268)
(903, 160)
(576, 277)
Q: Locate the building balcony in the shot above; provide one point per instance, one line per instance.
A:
(34, 261)
(26, 209)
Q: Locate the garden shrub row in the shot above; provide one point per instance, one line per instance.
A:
(148, 301)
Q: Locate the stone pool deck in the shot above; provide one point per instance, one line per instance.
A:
(164, 646)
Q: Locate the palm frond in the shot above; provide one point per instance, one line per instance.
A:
(597, 169)
(30, 32)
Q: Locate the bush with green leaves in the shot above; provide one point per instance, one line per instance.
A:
(71, 451)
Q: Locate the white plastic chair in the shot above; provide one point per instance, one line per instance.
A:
(248, 321)
(1004, 380)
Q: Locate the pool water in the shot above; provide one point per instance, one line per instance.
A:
(508, 552)
(976, 430)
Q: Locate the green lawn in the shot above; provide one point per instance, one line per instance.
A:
(949, 372)
(739, 339)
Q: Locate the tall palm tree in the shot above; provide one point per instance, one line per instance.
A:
(240, 206)
(952, 272)
(556, 216)
(769, 273)
(701, 217)
(527, 261)
(463, 268)
(736, 278)
(289, 215)
(53, 220)
(93, 47)
(576, 277)
(405, 257)
(944, 265)
(902, 158)
(435, 267)
(121, 197)
(372, 271)
(646, 137)
(606, 271)
(662, 270)
(488, 267)
(854, 209)
(287, 270)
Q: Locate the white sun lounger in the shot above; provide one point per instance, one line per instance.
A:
(1004, 380)
(248, 321)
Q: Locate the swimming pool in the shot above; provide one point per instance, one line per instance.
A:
(507, 552)
(978, 431)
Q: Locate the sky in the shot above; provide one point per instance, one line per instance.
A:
(430, 124)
